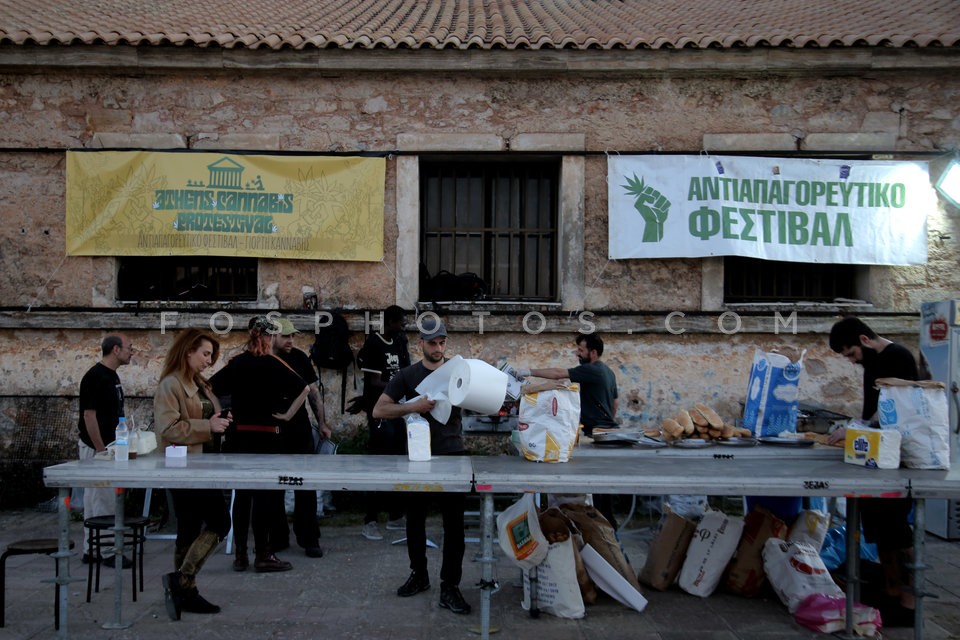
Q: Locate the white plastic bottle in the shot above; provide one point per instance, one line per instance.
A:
(122, 442)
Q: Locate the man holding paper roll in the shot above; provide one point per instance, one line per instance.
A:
(445, 439)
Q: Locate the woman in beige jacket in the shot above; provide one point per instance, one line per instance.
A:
(186, 413)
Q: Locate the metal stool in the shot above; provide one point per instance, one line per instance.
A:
(46, 546)
(100, 534)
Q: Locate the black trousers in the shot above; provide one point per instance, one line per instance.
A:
(261, 508)
(452, 506)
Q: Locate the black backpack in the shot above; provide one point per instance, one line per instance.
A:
(331, 350)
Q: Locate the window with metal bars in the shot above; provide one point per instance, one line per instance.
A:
(495, 219)
(187, 278)
(753, 280)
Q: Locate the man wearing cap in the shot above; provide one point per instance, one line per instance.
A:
(445, 439)
(299, 438)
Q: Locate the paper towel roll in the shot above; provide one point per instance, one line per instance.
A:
(477, 386)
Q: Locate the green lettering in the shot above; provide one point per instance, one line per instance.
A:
(704, 223)
(747, 216)
(821, 229)
(842, 228)
(729, 221)
(798, 227)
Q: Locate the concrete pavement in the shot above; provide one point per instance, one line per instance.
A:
(350, 593)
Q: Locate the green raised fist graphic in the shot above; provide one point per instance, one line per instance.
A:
(652, 206)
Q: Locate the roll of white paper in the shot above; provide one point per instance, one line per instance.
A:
(477, 386)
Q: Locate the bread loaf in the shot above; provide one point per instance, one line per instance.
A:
(713, 419)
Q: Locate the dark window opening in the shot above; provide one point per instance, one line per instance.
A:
(187, 278)
(497, 220)
(754, 280)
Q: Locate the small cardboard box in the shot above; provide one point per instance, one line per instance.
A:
(667, 552)
(872, 448)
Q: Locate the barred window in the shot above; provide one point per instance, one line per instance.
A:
(494, 219)
(187, 278)
(754, 280)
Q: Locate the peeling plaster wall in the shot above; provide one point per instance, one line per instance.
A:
(41, 115)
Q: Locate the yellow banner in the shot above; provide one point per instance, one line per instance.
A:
(143, 203)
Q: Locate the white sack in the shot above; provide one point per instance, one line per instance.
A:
(918, 410)
(714, 543)
(796, 571)
(548, 424)
(558, 591)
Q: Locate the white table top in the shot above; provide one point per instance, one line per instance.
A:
(714, 471)
(658, 475)
(251, 471)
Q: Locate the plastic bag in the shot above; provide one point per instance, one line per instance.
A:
(772, 394)
(548, 424)
(833, 552)
(518, 530)
(828, 614)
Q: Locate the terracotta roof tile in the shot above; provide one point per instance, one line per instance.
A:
(482, 24)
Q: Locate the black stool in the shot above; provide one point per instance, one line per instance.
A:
(100, 535)
(45, 546)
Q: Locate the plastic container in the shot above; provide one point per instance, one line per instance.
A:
(134, 442)
(122, 442)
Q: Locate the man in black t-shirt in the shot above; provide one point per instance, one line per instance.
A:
(598, 384)
(445, 439)
(101, 405)
(383, 354)
(885, 520)
(598, 397)
(299, 437)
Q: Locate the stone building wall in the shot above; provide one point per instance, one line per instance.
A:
(56, 309)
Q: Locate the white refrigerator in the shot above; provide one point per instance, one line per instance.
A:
(940, 353)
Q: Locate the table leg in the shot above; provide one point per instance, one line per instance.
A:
(919, 568)
(63, 560)
(853, 562)
(486, 549)
(118, 530)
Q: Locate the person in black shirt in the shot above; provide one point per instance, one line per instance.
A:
(265, 393)
(101, 405)
(598, 397)
(383, 354)
(298, 436)
(445, 439)
(885, 520)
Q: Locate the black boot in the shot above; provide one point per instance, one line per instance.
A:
(172, 594)
(240, 560)
(193, 602)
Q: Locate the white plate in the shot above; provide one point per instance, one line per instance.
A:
(738, 442)
(692, 443)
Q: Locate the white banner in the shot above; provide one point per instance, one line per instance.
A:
(798, 210)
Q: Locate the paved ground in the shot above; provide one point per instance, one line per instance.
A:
(349, 593)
